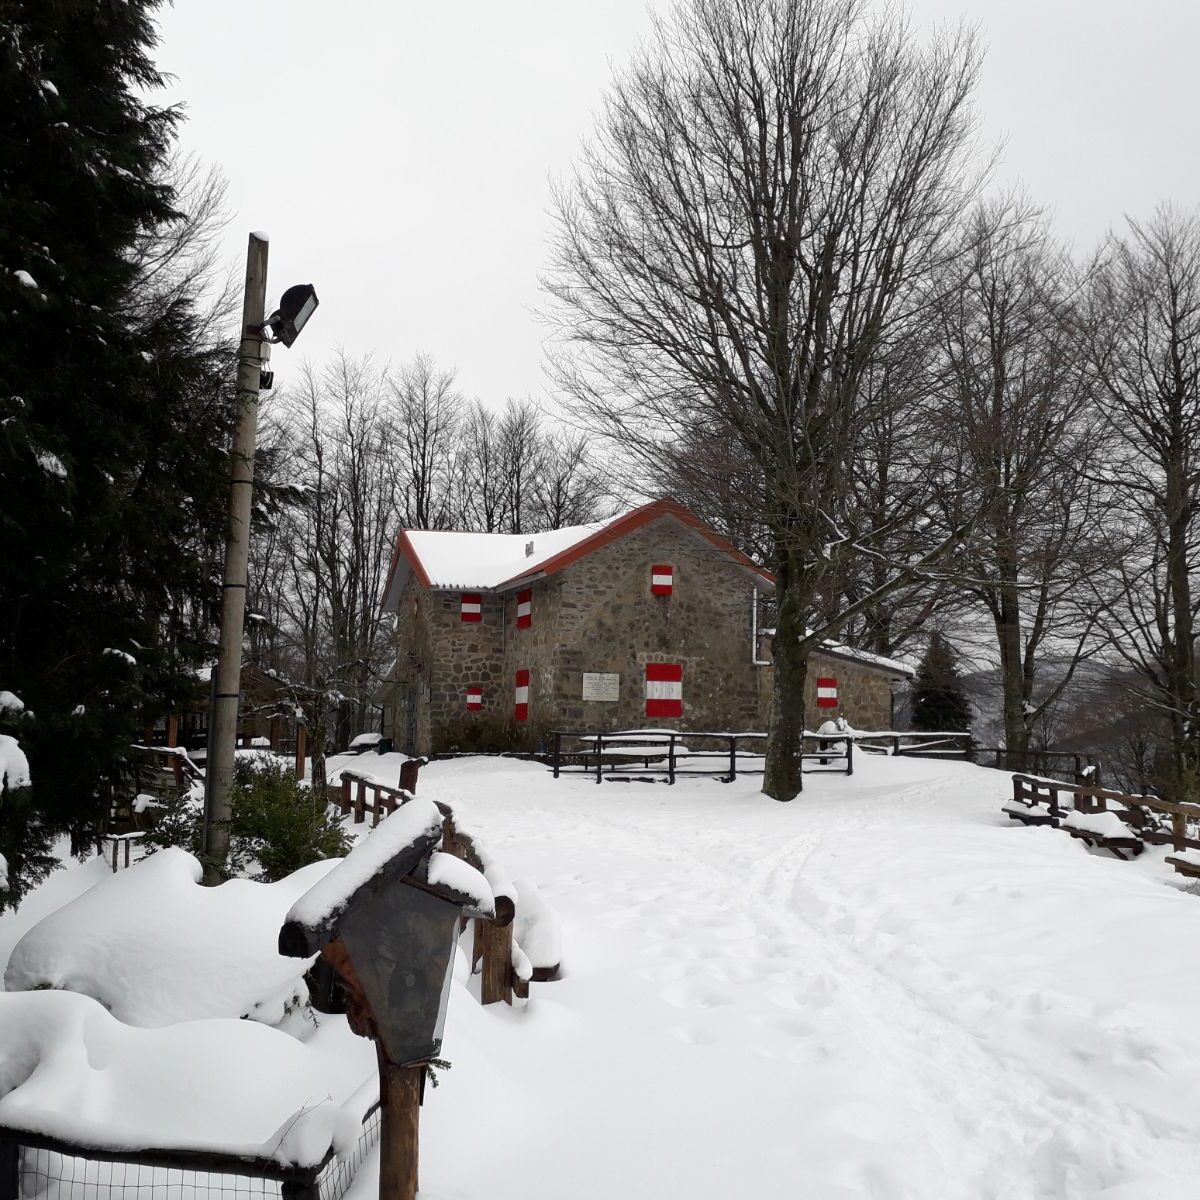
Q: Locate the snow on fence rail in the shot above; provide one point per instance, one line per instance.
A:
(673, 752)
(35, 1165)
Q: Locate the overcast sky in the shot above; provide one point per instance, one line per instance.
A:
(400, 154)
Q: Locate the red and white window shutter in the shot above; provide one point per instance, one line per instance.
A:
(525, 608)
(664, 690)
(521, 697)
(827, 696)
(662, 580)
(474, 698)
(472, 606)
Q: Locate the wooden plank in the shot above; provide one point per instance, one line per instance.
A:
(1183, 867)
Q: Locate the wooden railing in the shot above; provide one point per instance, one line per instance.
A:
(1141, 813)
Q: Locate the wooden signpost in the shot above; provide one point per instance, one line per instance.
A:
(391, 940)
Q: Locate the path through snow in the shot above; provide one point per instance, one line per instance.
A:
(881, 990)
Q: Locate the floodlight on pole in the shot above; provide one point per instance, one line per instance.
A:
(296, 305)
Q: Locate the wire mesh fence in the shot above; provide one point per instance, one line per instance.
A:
(43, 1169)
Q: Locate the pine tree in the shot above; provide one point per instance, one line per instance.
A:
(114, 410)
(939, 703)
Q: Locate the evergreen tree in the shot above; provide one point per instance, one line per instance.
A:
(114, 410)
(939, 703)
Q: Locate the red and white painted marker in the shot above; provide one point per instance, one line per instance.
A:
(525, 608)
(662, 580)
(521, 697)
(474, 698)
(664, 690)
(472, 606)
(827, 692)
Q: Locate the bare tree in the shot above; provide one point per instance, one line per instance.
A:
(519, 446)
(1018, 418)
(324, 566)
(771, 186)
(478, 472)
(427, 411)
(568, 489)
(1145, 361)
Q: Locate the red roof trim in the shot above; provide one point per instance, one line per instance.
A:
(624, 525)
(405, 547)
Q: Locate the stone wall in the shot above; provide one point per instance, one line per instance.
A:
(864, 693)
(598, 615)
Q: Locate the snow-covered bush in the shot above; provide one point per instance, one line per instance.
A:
(25, 840)
(279, 824)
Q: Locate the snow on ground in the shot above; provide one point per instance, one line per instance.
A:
(884, 989)
(155, 947)
(69, 1069)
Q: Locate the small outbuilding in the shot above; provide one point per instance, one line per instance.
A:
(649, 618)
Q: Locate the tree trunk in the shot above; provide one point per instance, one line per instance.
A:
(1181, 668)
(782, 779)
(1012, 659)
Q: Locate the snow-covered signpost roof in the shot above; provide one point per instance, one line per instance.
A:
(386, 920)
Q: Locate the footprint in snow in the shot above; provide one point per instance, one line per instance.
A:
(690, 1035)
(690, 994)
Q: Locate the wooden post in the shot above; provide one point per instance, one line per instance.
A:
(495, 983)
(399, 1129)
(896, 746)
(732, 757)
(376, 807)
(173, 729)
(409, 772)
(301, 748)
(671, 760)
(345, 801)
(557, 752)
(360, 803)
(10, 1171)
(1178, 831)
(849, 756)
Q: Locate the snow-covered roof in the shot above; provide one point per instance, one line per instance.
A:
(448, 560)
(865, 657)
(868, 659)
(486, 560)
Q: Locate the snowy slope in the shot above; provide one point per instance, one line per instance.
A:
(884, 989)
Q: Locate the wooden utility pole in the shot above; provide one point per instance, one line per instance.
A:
(222, 720)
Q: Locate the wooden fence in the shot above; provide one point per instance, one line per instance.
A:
(1150, 819)
(672, 753)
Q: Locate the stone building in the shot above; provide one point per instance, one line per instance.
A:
(648, 619)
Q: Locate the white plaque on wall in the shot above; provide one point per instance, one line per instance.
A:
(601, 687)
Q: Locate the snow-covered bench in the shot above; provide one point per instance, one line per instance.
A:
(1105, 831)
(1034, 801)
(620, 748)
(1186, 862)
